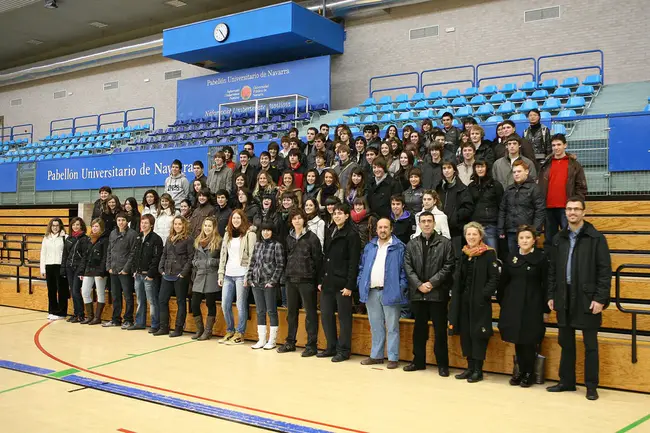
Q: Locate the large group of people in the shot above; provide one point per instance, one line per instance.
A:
(433, 225)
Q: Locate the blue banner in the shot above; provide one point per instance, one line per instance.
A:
(9, 177)
(201, 96)
(122, 170)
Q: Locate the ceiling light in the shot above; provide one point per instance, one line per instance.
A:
(98, 24)
(176, 3)
(51, 4)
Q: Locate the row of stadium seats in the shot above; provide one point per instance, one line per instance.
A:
(78, 134)
(83, 140)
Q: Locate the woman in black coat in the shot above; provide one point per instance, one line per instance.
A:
(486, 195)
(470, 315)
(456, 203)
(522, 295)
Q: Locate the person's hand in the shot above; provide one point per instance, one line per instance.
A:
(245, 282)
(596, 307)
(180, 276)
(551, 304)
(110, 271)
(268, 285)
(163, 274)
(148, 279)
(220, 282)
(502, 236)
(320, 287)
(424, 288)
(346, 292)
(81, 277)
(122, 273)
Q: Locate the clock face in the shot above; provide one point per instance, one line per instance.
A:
(221, 32)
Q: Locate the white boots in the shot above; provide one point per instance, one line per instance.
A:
(272, 337)
(261, 335)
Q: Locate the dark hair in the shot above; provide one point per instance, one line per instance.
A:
(416, 171)
(325, 125)
(372, 149)
(81, 222)
(297, 212)
(265, 153)
(294, 152)
(294, 129)
(343, 207)
(527, 228)
(205, 192)
(577, 198)
(197, 162)
(178, 163)
(251, 143)
(273, 145)
(234, 180)
(452, 164)
(121, 214)
(244, 152)
(367, 128)
(468, 144)
(426, 213)
(223, 192)
(266, 225)
(320, 137)
(513, 137)
(312, 170)
(446, 114)
(227, 149)
(438, 134)
(312, 129)
(560, 137)
(134, 206)
(107, 189)
(187, 202)
(488, 173)
(380, 162)
(398, 198)
(509, 122)
(149, 218)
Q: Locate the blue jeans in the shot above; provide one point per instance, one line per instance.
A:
(555, 217)
(147, 290)
(232, 285)
(491, 237)
(513, 244)
(383, 318)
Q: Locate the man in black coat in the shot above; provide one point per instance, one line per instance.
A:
(382, 187)
(339, 279)
(579, 282)
(429, 265)
(456, 204)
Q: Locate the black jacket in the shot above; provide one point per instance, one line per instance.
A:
(95, 258)
(146, 255)
(177, 258)
(270, 217)
(540, 138)
(456, 204)
(252, 210)
(521, 204)
(366, 228)
(438, 269)
(134, 223)
(378, 196)
(413, 199)
(404, 226)
(342, 252)
(522, 295)
(250, 175)
(74, 251)
(304, 257)
(485, 153)
(591, 277)
(222, 215)
(486, 195)
(431, 173)
(97, 209)
(120, 248)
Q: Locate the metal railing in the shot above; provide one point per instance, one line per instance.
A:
(417, 87)
(74, 124)
(600, 67)
(442, 83)
(633, 312)
(532, 74)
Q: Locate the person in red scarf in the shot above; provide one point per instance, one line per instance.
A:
(74, 250)
(297, 168)
(475, 282)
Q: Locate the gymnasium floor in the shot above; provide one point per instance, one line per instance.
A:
(107, 380)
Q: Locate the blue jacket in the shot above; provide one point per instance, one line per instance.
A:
(395, 282)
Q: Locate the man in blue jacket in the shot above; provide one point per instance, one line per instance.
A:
(383, 287)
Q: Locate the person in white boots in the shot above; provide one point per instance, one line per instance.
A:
(264, 272)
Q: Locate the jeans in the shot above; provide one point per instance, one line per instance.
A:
(266, 302)
(283, 296)
(122, 283)
(179, 289)
(75, 291)
(332, 300)
(308, 294)
(513, 244)
(567, 340)
(232, 286)
(555, 217)
(147, 290)
(383, 319)
(491, 237)
(87, 289)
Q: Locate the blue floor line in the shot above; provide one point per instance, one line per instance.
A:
(173, 402)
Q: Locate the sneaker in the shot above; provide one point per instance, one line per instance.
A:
(226, 338)
(237, 338)
(55, 317)
(110, 324)
(49, 316)
(135, 327)
(126, 325)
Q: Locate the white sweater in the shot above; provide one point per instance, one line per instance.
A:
(316, 225)
(164, 222)
(52, 250)
(442, 225)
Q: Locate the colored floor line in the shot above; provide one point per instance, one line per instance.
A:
(23, 386)
(171, 391)
(229, 415)
(634, 424)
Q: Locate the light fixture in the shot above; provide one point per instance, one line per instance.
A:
(176, 3)
(51, 4)
(98, 24)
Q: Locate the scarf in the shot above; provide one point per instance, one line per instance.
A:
(77, 234)
(204, 243)
(94, 237)
(311, 187)
(352, 195)
(312, 215)
(358, 216)
(476, 251)
(235, 233)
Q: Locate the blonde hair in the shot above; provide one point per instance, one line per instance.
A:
(214, 240)
(474, 225)
(184, 234)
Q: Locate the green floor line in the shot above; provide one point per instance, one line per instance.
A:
(634, 424)
(23, 386)
(63, 373)
(140, 354)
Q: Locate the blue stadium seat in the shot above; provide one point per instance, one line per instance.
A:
(422, 105)
(336, 122)
(528, 105)
(517, 97)
(567, 113)
(506, 108)
(399, 99)
(440, 103)
(477, 100)
(57, 156)
(518, 117)
(385, 100)
(417, 97)
(570, 82)
(369, 120)
(539, 94)
(465, 111)
(459, 101)
(388, 108)
(562, 93)
(497, 98)
(552, 104)
(452, 93)
(404, 117)
(545, 115)
(575, 102)
(489, 90)
(593, 80)
(403, 107)
(387, 118)
(436, 94)
(368, 102)
(470, 91)
(40, 157)
(84, 153)
(75, 154)
(426, 114)
(586, 91)
(550, 84)
(369, 110)
(558, 128)
(413, 116)
(66, 155)
(647, 108)
(48, 156)
(508, 88)
(528, 87)
(485, 110)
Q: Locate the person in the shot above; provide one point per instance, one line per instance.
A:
(386, 152)
(324, 130)
(94, 272)
(320, 166)
(175, 268)
(456, 203)
(356, 187)
(109, 213)
(74, 250)
(267, 214)
(502, 169)
(267, 167)
(284, 152)
(50, 264)
(204, 209)
(561, 176)
(265, 186)
(329, 188)
(432, 167)
(289, 185)
(119, 263)
(195, 187)
(228, 153)
(176, 184)
(276, 162)
(146, 258)
(315, 223)
(305, 256)
(538, 135)
(264, 272)
(522, 296)
(311, 138)
(429, 264)
(220, 177)
(403, 220)
(406, 164)
(320, 146)
(466, 167)
(312, 184)
(475, 282)
(338, 280)
(205, 263)
(522, 203)
(151, 203)
(483, 147)
(165, 217)
(254, 161)
(364, 221)
(359, 151)
(132, 213)
(297, 168)
(413, 195)
(245, 169)
(345, 166)
(381, 188)
(100, 203)
(486, 195)
(498, 146)
(431, 203)
(452, 134)
(236, 250)
(249, 205)
(186, 209)
(579, 283)
(509, 130)
(197, 169)
(372, 152)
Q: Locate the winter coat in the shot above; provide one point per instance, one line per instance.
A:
(485, 153)
(486, 195)
(304, 257)
(74, 251)
(452, 139)
(456, 204)
(52, 250)
(95, 258)
(317, 226)
(439, 267)
(311, 194)
(199, 214)
(178, 187)
(250, 175)
(329, 159)
(396, 286)
(267, 264)
(97, 209)
(120, 251)
(345, 171)
(271, 217)
(591, 277)
(378, 196)
(413, 199)
(205, 266)
(147, 253)
(252, 211)
(474, 290)
(220, 178)
(109, 221)
(163, 224)
(327, 192)
(404, 226)
(367, 228)
(521, 204)
(176, 259)
(522, 295)
(539, 137)
(150, 210)
(442, 223)
(134, 223)
(502, 170)
(576, 184)
(341, 259)
(246, 247)
(222, 215)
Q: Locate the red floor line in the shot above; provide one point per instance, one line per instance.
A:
(171, 391)
(123, 430)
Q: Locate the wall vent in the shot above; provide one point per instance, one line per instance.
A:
(111, 85)
(16, 102)
(542, 14)
(60, 94)
(171, 75)
(424, 32)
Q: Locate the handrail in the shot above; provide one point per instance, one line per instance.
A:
(622, 309)
(132, 110)
(600, 68)
(123, 120)
(402, 74)
(450, 68)
(499, 62)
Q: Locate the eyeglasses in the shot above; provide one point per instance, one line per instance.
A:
(574, 209)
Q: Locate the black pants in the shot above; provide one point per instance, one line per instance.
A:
(266, 302)
(473, 348)
(57, 291)
(178, 288)
(437, 313)
(122, 283)
(332, 300)
(567, 340)
(307, 293)
(210, 302)
(526, 354)
(74, 285)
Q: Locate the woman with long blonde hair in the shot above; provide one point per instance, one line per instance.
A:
(207, 249)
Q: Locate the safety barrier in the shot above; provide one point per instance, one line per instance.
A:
(98, 121)
(442, 83)
(416, 87)
(600, 67)
(11, 133)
